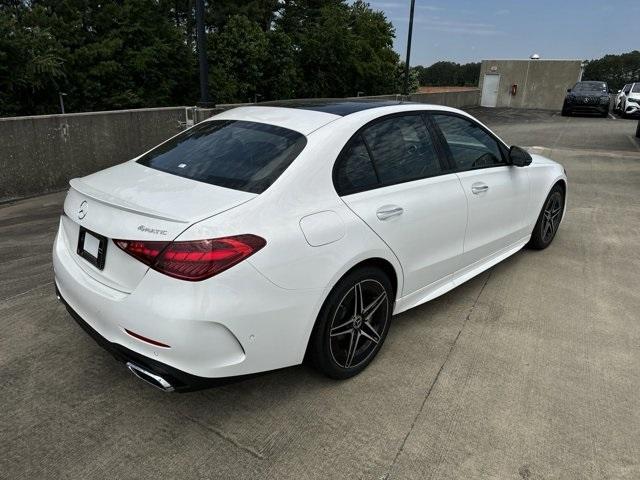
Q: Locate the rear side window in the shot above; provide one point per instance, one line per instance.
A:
(402, 149)
(355, 171)
(470, 146)
(235, 154)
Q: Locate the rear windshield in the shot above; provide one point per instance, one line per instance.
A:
(590, 87)
(234, 154)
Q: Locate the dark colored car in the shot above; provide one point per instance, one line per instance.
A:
(587, 97)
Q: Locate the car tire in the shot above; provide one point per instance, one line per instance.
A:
(549, 219)
(346, 337)
(564, 112)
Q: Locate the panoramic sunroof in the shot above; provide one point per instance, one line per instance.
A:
(336, 107)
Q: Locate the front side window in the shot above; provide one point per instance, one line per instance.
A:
(470, 145)
(234, 154)
(402, 149)
(627, 88)
(636, 88)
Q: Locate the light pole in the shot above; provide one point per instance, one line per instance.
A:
(201, 45)
(60, 95)
(406, 63)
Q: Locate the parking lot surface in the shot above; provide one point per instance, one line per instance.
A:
(528, 371)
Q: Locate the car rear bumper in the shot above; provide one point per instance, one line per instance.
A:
(234, 324)
(179, 380)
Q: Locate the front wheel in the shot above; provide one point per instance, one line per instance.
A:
(352, 324)
(548, 220)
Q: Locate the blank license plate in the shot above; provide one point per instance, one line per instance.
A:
(92, 247)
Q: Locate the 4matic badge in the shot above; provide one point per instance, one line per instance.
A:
(155, 231)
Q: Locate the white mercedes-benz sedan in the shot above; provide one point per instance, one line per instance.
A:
(270, 234)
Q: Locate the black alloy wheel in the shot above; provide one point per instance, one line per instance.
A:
(548, 220)
(358, 323)
(352, 324)
(551, 217)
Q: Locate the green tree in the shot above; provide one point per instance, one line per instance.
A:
(450, 74)
(281, 76)
(616, 70)
(31, 61)
(103, 54)
(340, 49)
(107, 54)
(236, 58)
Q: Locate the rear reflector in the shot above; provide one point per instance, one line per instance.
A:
(147, 340)
(195, 260)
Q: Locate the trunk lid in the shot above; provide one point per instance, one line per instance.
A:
(134, 202)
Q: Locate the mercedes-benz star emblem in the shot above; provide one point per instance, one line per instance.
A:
(84, 206)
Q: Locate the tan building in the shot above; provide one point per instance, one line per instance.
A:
(527, 83)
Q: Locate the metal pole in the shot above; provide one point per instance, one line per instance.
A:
(202, 53)
(60, 95)
(406, 63)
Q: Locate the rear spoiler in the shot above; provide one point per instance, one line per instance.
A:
(99, 196)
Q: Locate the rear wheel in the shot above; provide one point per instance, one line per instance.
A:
(548, 220)
(352, 324)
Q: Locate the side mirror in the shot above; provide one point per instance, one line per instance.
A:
(519, 157)
(568, 89)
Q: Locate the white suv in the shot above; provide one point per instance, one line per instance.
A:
(617, 103)
(629, 103)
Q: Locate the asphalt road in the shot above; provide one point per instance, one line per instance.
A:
(529, 371)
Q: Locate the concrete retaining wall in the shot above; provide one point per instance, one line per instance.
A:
(461, 99)
(41, 154)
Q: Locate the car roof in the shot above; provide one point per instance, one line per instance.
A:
(339, 106)
(306, 116)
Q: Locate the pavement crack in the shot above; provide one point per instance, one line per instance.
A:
(435, 380)
(3, 300)
(251, 451)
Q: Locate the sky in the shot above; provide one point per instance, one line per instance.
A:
(467, 30)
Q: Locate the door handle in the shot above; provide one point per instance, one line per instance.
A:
(389, 211)
(478, 188)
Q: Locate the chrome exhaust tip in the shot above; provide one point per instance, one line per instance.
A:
(151, 378)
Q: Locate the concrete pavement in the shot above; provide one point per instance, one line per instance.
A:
(529, 371)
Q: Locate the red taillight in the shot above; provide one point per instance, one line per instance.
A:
(195, 260)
